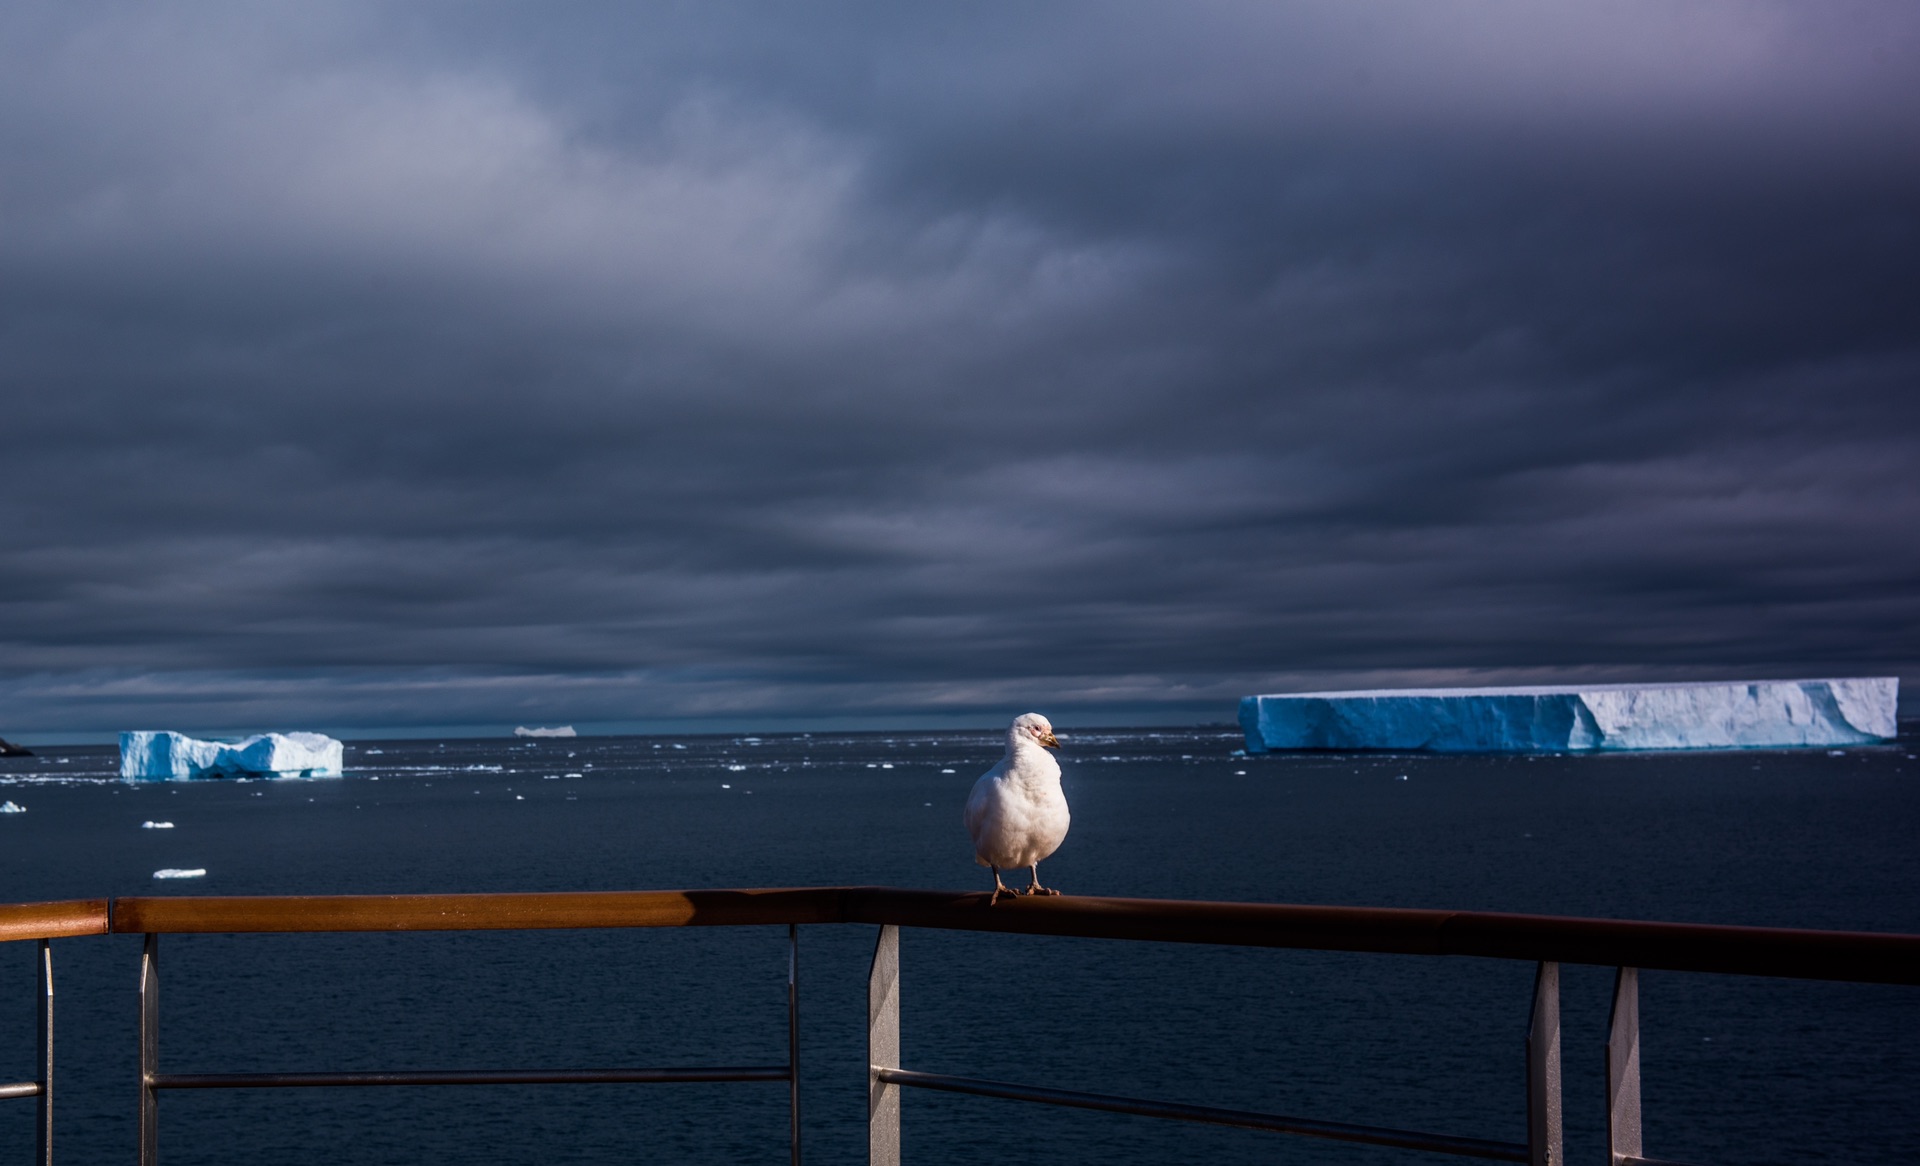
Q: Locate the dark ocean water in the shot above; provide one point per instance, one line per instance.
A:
(1736, 1069)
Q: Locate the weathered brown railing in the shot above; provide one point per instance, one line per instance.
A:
(45, 922)
(1860, 956)
(1547, 941)
(54, 920)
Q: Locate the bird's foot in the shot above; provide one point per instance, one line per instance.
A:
(999, 891)
(1037, 889)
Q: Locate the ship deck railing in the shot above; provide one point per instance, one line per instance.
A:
(1546, 941)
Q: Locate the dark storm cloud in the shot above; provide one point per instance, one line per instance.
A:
(483, 363)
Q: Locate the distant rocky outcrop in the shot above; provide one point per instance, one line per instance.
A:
(9, 749)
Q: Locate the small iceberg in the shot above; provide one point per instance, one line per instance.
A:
(11, 807)
(161, 756)
(560, 731)
(172, 872)
(151, 825)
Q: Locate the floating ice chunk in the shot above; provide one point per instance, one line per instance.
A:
(152, 825)
(163, 755)
(173, 872)
(1579, 718)
(560, 731)
(12, 807)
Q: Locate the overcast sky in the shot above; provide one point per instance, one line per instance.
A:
(389, 366)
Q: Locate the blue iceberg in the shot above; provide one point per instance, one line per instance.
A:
(1759, 714)
(161, 756)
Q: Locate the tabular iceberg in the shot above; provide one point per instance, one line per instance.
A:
(562, 731)
(163, 755)
(1578, 718)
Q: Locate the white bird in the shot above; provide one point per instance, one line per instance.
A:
(1016, 813)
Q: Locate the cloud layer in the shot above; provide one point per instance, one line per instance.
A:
(470, 364)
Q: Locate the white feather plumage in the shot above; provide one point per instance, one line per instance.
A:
(1017, 814)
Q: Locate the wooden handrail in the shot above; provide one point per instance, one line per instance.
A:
(57, 920)
(1764, 951)
(1859, 956)
(175, 914)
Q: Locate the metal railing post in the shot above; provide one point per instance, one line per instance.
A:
(793, 1039)
(150, 1051)
(1623, 1069)
(883, 1049)
(1544, 1147)
(44, 1149)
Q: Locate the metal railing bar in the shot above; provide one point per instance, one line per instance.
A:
(472, 1077)
(793, 1043)
(883, 1049)
(1545, 1135)
(149, 1119)
(43, 1135)
(1244, 1119)
(1624, 1133)
(22, 1089)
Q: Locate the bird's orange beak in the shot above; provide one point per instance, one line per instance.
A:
(1050, 741)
